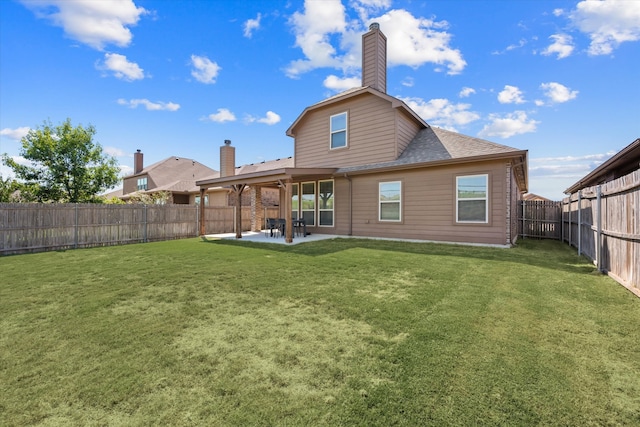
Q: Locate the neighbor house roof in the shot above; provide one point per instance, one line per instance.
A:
(622, 163)
(174, 174)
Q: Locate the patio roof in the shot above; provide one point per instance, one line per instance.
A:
(269, 177)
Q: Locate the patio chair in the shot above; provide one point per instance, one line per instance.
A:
(271, 226)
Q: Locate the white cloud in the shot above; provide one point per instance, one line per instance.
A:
(221, 116)
(94, 23)
(562, 46)
(558, 93)
(121, 67)
(407, 82)
(151, 106)
(508, 125)
(510, 95)
(16, 134)
(608, 23)
(555, 174)
(415, 41)
(271, 118)
(442, 112)
(250, 25)
(466, 92)
(410, 41)
(312, 29)
(339, 84)
(205, 71)
(521, 43)
(115, 152)
(558, 12)
(126, 170)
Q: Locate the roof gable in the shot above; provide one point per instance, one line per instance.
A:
(174, 169)
(351, 93)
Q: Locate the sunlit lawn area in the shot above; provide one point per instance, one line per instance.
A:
(337, 332)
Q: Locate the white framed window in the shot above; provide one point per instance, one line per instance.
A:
(472, 198)
(390, 201)
(325, 203)
(142, 183)
(338, 130)
(295, 201)
(308, 202)
(206, 200)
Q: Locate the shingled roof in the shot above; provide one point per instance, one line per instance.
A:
(439, 145)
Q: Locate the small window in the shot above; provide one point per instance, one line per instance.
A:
(142, 183)
(339, 130)
(390, 201)
(308, 203)
(206, 200)
(325, 203)
(472, 201)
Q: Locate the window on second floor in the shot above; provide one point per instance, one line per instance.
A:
(338, 130)
(142, 184)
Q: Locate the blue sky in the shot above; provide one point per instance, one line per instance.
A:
(558, 78)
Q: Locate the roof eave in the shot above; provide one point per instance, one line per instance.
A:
(605, 167)
(434, 163)
(270, 176)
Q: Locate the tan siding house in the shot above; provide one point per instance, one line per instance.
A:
(367, 165)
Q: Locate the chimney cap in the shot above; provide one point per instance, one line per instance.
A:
(227, 142)
(138, 150)
(374, 26)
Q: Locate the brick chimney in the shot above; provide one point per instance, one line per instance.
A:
(227, 159)
(138, 163)
(374, 58)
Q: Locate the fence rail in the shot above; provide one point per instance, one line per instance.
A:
(603, 223)
(34, 227)
(540, 219)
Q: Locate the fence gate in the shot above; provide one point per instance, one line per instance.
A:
(540, 219)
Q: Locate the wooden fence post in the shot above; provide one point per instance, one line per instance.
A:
(75, 236)
(144, 219)
(599, 229)
(579, 222)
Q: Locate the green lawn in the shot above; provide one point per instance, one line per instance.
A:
(338, 332)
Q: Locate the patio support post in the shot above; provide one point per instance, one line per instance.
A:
(288, 193)
(201, 207)
(237, 189)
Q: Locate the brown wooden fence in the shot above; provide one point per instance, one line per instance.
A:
(33, 227)
(540, 219)
(603, 223)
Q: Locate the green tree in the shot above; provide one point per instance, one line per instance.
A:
(66, 165)
(7, 189)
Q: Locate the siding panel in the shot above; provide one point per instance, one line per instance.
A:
(371, 134)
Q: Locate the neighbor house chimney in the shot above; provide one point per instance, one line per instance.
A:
(227, 159)
(138, 164)
(374, 58)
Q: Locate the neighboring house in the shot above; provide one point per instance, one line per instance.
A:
(174, 175)
(535, 198)
(365, 164)
(622, 163)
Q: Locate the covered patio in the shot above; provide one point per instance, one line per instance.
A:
(282, 179)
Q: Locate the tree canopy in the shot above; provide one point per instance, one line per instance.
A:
(64, 164)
